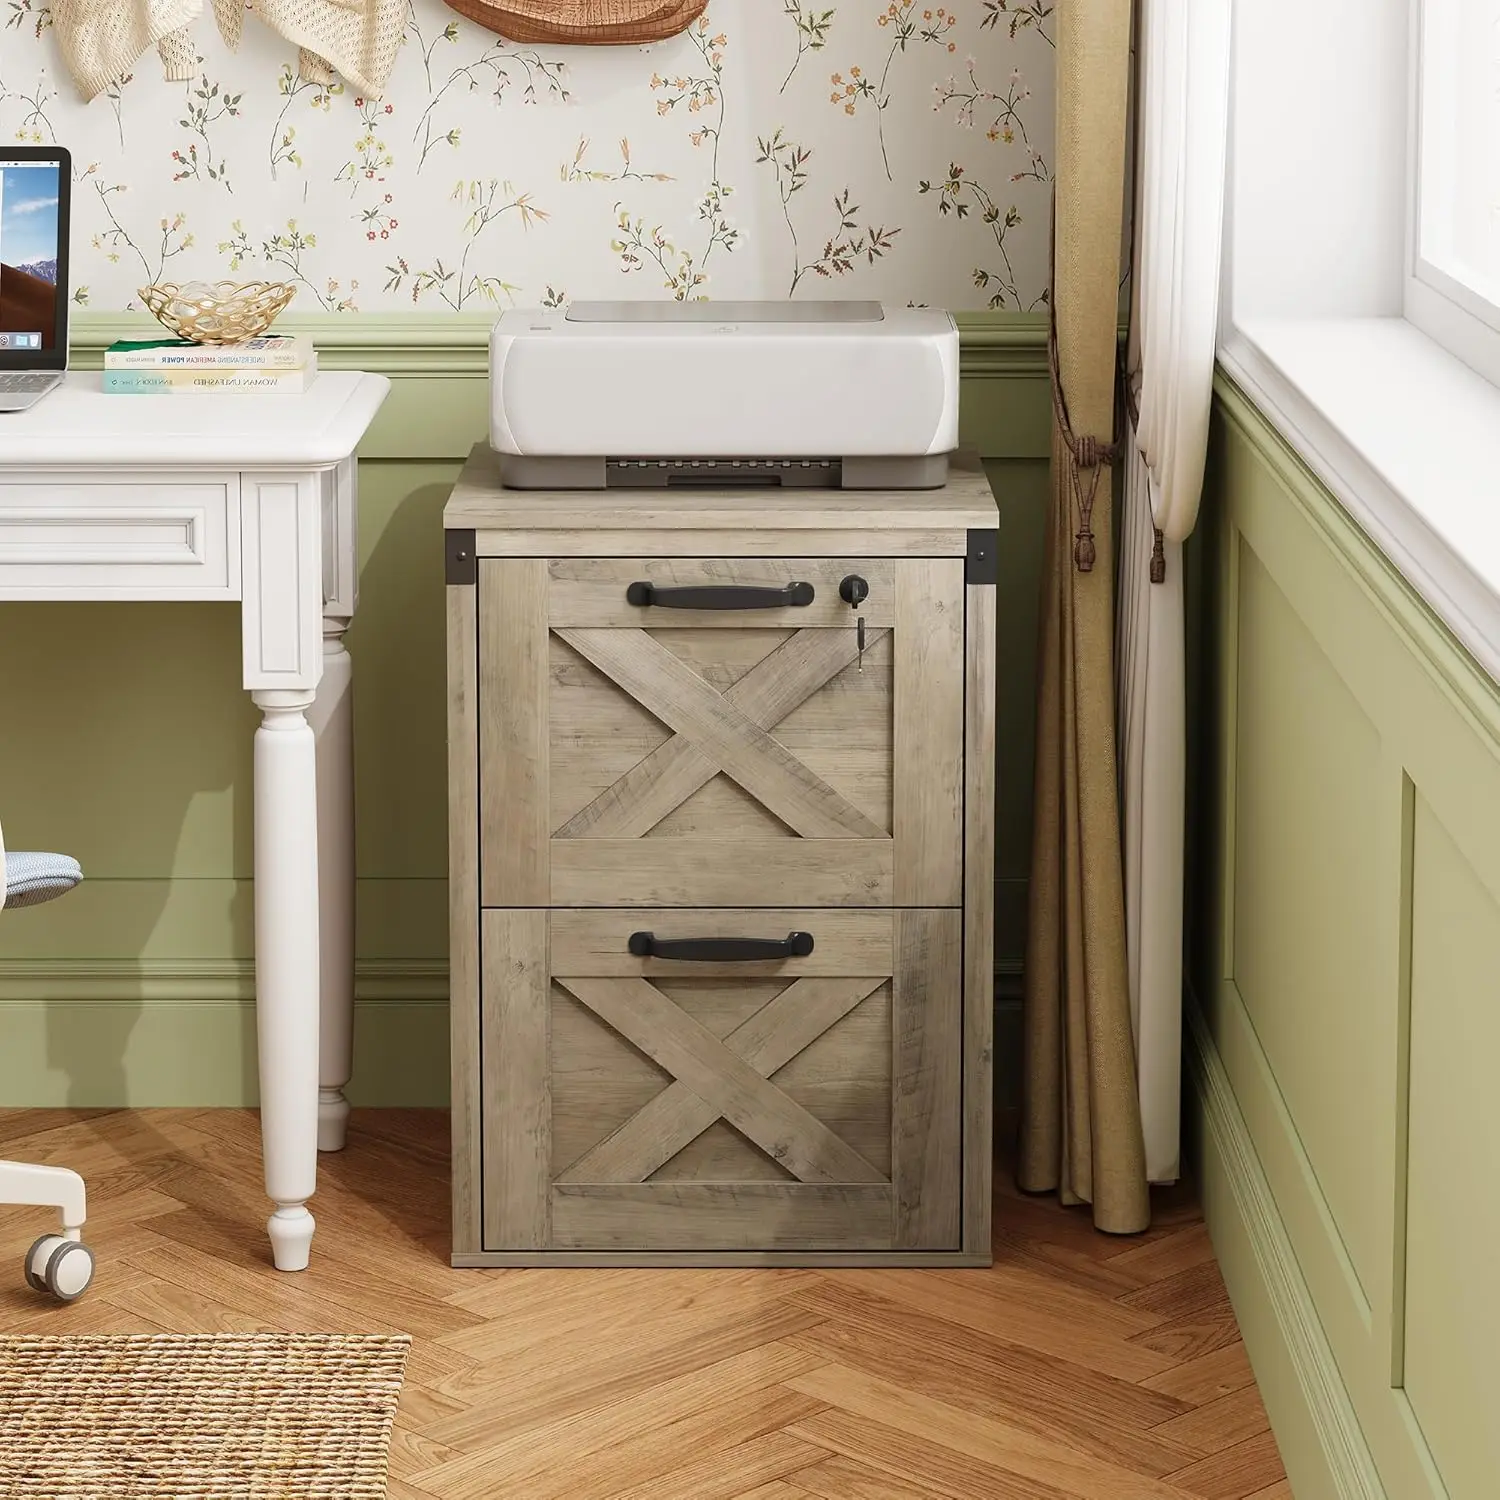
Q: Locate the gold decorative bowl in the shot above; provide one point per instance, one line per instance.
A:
(223, 312)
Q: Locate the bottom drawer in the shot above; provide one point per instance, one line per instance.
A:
(654, 1082)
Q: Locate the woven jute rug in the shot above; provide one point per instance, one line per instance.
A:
(198, 1417)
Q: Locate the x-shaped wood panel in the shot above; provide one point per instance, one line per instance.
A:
(719, 732)
(725, 1079)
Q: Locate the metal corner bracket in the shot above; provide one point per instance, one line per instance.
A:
(982, 557)
(459, 563)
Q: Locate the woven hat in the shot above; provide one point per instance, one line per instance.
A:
(583, 23)
(582, 14)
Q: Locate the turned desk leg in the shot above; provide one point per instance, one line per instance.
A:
(286, 959)
(332, 720)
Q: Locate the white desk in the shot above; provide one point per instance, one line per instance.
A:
(247, 497)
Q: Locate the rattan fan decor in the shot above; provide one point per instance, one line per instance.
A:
(221, 312)
(583, 23)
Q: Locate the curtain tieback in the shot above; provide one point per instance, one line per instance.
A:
(1090, 456)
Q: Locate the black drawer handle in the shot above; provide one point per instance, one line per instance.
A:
(721, 950)
(720, 596)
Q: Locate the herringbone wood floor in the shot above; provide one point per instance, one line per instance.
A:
(1080, 1366)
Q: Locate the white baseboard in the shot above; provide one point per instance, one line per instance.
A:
(1325, 1452)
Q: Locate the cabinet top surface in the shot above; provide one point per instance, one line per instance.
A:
(78, 426)
(479, 502)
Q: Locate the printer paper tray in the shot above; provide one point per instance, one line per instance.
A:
(532, 472)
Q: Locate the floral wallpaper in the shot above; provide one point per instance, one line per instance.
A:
(897, 150)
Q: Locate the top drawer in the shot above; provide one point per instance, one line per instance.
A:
(120, 538)
(706, 732)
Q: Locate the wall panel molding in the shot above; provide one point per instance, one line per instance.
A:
(422, 351)
(1462, 680)
(170, 981)
(993, 345)
(1316, 1427)
(181, 1033)
(1342, 1058)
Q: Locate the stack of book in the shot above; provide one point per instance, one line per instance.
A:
(284, 363)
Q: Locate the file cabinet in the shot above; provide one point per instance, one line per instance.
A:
(721, 781)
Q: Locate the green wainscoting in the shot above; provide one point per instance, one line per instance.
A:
(126, 740)
(1346, 1042)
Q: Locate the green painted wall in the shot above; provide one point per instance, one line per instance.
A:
(127, 741)
(1347, 1032)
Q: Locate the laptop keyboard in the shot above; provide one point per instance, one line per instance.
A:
(25, 382)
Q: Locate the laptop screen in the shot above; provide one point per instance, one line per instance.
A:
(32, 284)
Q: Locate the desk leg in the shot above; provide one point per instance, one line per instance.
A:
(332, 719)
(286, 963)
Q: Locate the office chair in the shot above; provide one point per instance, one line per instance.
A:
(58, 1263)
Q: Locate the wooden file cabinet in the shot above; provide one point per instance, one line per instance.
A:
(721, 880)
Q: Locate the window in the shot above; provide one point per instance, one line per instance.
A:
(1361, 298)
(1453, 285)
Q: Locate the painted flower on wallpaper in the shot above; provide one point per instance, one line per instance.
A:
(1018, 15)
(955, 195)
(455, 284)
(847, 244)
(500, 68)
(970, 99)
(575, 171)
(291, 87)
(684, 271)
(812, 27)
(206, 105)
(113, 93)
(35, 126)
(699, 94)
(378, 220)
(34, 16)
(907, 25)
(281, 255)
(152, 249)
(371, 155)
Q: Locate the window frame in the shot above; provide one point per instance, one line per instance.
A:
(1317, 287)
(1445, 308)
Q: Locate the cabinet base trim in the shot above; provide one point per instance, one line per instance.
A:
(670, 1216)
(731, 1259)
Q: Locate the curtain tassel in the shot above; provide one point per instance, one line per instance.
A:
(1090, 457)
(1089, 454)
(1158, 558)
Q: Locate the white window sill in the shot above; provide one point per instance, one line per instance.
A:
(1405, 435)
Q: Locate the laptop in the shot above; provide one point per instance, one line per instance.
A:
(35, 182)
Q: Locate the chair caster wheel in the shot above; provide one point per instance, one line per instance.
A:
(64, 1268)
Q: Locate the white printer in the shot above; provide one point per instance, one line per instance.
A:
(849, 394)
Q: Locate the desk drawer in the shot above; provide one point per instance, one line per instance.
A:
(134, 538)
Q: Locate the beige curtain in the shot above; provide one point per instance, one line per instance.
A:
(1081, 1120)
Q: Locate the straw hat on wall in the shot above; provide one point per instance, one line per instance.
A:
(586, 23)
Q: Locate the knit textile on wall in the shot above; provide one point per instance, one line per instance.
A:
(899, 151)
